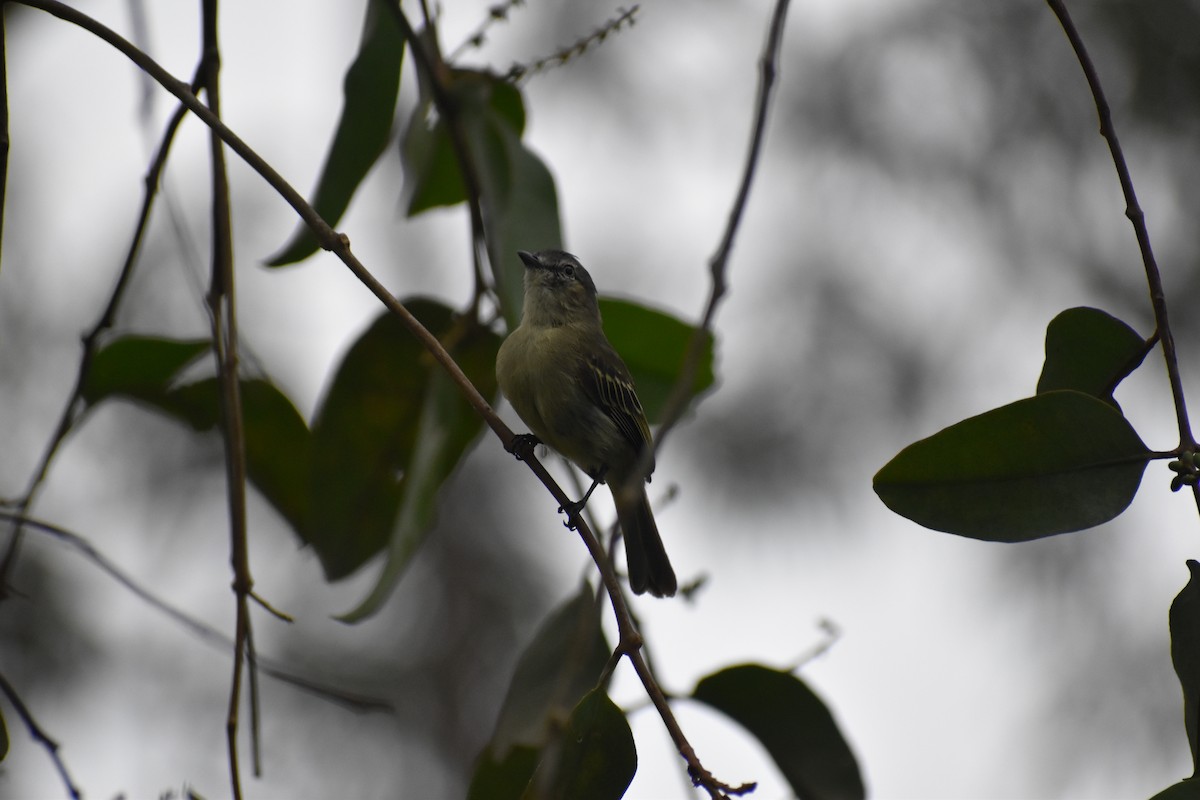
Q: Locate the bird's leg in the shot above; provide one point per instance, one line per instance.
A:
(572, 509)
(522, 445)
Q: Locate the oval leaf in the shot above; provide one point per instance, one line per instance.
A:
(369, 90)
(794, 726)
(593, 759)
(653, 345)
(1185, 655)
(1089, 351)
(1054, 463)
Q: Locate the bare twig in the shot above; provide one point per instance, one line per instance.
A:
(1138, 219)
(496, 13)
(681, 392)
(832, 633)
(3, 121)
(74, 406)
(222, 304)
(39, 735)
(205, 633)
(625, 18)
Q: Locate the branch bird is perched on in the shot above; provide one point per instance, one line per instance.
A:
(575, 393)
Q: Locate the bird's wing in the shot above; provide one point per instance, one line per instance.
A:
(611, 387)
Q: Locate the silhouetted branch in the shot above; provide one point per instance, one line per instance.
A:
(206, 633)
(1134, 212)
(625, 18)
(39, 735)
(3, 123)
(222, 305)
(681, 392)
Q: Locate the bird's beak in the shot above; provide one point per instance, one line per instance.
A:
(531, 261)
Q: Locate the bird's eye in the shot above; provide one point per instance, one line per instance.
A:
(568, 271)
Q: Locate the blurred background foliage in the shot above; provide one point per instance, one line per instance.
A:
(934, 193)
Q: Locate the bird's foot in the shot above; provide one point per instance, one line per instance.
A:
(523, 445)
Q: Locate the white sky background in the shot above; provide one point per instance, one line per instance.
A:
(948, 677)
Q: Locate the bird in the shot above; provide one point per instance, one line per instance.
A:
(566, 382)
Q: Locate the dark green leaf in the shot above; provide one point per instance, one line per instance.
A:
(1091, 352)
(793, 725)
(517, 192)
(3, 738)
(594, 759)
(1054, 463)
(1185, 654)
(278, 450)
(139, 367)
(522, 202)
(363, 434)
(1187, 789)
(431, 174)
(519, 198)
(654, 344)
(560, 665)
(502, 779)
(391, 430)
(277, 440)
(369, 89)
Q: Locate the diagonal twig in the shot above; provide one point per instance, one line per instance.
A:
(39, 735)
(1137, 218)
(206, 633)
(768, 62)
(3, 123)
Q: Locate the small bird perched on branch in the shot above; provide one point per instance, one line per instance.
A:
(575, 393)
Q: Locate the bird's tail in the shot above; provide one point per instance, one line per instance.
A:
(646, 558)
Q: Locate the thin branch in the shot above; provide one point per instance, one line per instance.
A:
(222, 303)
(1137, 218)
(832, 633)
(3, 121)
(496, 13)
(681, 392)
(202, 631)
(39, 735)
(74, 406)
(626, 17)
